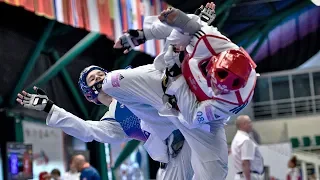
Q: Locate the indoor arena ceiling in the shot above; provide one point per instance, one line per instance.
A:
(279, 35)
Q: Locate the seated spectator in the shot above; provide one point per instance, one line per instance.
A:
(294, 172)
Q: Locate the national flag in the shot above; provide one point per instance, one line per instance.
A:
(116, 16)
(44, 8)
(104, 18)
(80, 13)
(85, 12)
(59, 10)
(66, 12)
(12, 2)
(124, 15)
(150, 45)
(129, 14)
(156, 12)
(93, 13)
(27, 4)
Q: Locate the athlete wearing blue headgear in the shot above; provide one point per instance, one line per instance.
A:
(90, 83)
(117, 125)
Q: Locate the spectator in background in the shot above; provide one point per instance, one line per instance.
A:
(294, 172)
(44, 176)
(247, 158)
(72, 174)
(55, 174)
(87, 172)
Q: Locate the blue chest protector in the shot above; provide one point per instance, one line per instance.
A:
(129, 123)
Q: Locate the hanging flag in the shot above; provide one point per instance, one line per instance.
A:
(66, 12)
(109, 17)
(85, 12)
(59, 11)
(44, 8)
(135, 19)
(27, 4)
(12, 2)
(117, 18)
(150, 45)
(80, 13)
(124, 15)
(134, 14)
(112, 21)
(139, 20)
(74, 14)
(159, 9)
(156, 12)
(129, 14)
(104, 17)
(93, 15)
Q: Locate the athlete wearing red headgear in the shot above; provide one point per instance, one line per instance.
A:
(215, 67)
(229, 71)
(220, 75)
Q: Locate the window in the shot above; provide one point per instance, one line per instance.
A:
(261, 92)
(280, 87)
(316, 83)
(301, 85)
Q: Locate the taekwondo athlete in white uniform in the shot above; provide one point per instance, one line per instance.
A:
(117, 125)
(247, 159)
(220, 87)
(214, 68)
(140, 89)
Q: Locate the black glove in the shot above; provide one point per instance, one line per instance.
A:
(132, 38)
(207, 15)
(39, 101)
(176, 143)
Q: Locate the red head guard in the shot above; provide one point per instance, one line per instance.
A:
(229, 70)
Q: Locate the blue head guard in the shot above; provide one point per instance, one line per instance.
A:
(90, 92)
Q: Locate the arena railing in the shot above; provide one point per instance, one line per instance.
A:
(298, 94)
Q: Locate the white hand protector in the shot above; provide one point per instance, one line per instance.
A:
(39, 101)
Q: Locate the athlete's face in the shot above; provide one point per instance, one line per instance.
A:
(95, 76)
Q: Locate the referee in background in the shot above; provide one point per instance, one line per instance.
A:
(247, 158)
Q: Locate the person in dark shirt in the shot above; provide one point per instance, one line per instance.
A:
(87, 172)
